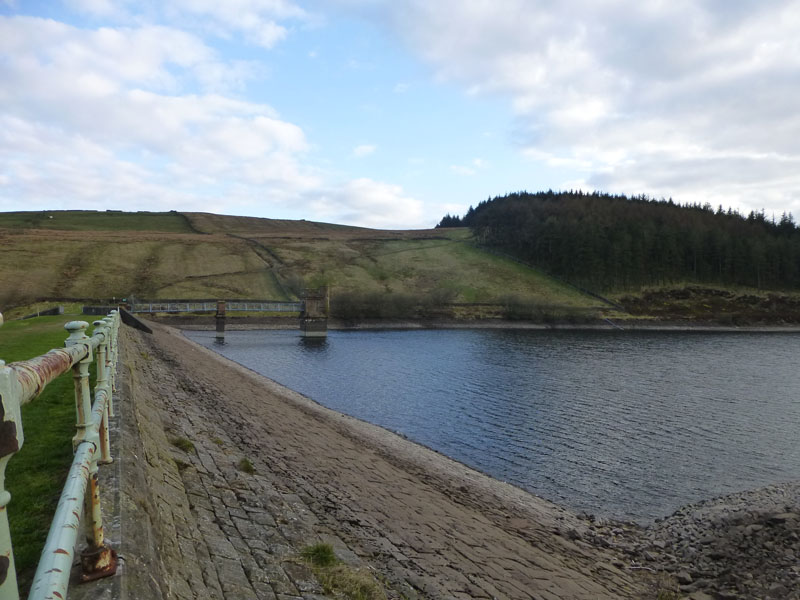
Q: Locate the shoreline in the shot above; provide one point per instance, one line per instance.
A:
(200, 323)
(429, 526)
(710, 546)
(380, 434)
(423, 521)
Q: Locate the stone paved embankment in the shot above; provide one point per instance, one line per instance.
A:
(425, 526)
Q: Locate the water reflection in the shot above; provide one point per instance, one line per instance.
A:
(313, 344)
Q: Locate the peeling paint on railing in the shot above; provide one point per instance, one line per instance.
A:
(22, 382)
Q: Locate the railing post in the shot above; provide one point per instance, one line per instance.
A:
(10, 441)
(98, 560)
(80, 377)
(103, 384)
(113, 321)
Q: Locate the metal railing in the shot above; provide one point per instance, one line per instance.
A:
(20, 383)
(232, 306)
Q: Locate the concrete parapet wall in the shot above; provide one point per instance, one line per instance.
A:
(97, 310)
(56, 310)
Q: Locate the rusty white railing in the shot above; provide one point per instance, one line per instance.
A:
(20, 383)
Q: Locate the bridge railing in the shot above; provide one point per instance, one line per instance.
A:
(232, 306)
(22, 382)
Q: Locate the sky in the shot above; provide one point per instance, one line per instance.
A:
(392, 113)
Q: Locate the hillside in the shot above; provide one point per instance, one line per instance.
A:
(86, 254)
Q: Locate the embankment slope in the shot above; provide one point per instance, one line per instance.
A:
(426, 525)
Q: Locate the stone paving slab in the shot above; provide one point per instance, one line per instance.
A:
(425, 526)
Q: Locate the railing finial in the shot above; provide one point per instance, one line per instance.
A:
(77, 331)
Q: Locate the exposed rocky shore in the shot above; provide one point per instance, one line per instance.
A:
(742, 546)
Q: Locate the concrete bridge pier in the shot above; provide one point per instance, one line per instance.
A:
(314, 317)
(220, 316)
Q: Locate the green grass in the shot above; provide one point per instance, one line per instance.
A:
(36, 474)
(88, 220)
(319, 555)
(339, 579)
(245, 466)
(100, 264)
(70, 308)
(183, 444)
(420, 267)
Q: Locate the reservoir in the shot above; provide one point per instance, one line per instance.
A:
(620, 424)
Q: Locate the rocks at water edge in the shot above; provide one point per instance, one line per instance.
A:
(742, 546)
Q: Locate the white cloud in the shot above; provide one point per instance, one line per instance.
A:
(98, 8)
(364, 150)
(369, 203)
(260, 22)
(475, 165)
(97, 118)
(462, 170)
(256, 19)
(104, 118)
(674, 97)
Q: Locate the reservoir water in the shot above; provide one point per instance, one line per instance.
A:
(627, 425)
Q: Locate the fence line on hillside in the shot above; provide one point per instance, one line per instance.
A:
(22, 382)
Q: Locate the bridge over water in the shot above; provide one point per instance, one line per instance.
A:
(206, 306)
(313, 309)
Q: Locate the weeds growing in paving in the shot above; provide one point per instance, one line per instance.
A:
(338, 578)
(246, 466)
(183, 444)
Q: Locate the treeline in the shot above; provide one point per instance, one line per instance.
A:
(612, 242)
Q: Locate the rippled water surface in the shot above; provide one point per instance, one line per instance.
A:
(622, 424)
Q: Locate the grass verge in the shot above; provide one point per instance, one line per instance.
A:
(246, 466)
(183, 444)
(340, 579)
(36, 474)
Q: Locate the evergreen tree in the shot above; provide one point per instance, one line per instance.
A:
(608, 242)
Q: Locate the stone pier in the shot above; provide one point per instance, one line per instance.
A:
(314, 318)
(220, 318)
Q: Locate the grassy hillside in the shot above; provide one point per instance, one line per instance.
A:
(82, 254)
(99, 264)
(88, 220)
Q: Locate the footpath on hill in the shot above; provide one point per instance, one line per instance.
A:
(420, 523)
